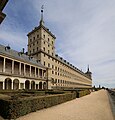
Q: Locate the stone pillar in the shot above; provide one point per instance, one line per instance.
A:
(4, 65)
(30, 71)
(20, 68)
(24, 85)
(30, 85)
(24, 69)
(41, 73)
(42, 85)
(3, 85)
(38, 72)
(35, 85)
(12, 85)
(35, 71)
(12, 66)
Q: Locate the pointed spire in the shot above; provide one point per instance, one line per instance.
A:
(42, 21)
(88, 69)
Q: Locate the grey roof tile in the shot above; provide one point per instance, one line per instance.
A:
(19, 56)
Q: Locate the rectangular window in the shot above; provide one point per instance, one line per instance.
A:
(48, 39)
(44, 48)
(48, 64)
(44, 63)
(55, 68)
(52, 66)
(52, 72)
(37, 36)
(44, 36)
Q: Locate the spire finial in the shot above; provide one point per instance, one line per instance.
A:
(42, 21)
(88, 68)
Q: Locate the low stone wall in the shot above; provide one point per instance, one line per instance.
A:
(16, 107)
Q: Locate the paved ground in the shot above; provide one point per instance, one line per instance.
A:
(95, 106)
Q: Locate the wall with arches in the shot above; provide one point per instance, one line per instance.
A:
(15, 83)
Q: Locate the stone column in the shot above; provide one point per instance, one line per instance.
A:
(4, 65)
(24, 69)
(38, 72)
(41, 73)
(12, 66)
(20, 68)
(30, 71)
(3, 85)
(30, 85)
(12, 85)
(24, 85)
(35, 85)
(35, 71)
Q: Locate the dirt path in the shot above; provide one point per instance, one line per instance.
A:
(95, 106)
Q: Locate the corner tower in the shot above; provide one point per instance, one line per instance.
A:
(41, 43)
(88, 73)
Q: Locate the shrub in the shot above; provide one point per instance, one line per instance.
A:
(14, 108)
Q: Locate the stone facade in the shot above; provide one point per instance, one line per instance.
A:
(61, 74)
(19, 71)
(40, 67)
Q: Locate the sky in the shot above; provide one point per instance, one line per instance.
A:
(84, 30)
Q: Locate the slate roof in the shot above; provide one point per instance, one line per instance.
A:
(19, 56)
(46, 29)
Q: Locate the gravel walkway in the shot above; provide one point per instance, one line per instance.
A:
(95, 106)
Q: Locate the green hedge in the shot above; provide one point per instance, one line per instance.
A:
(11, 109)
(82, 93)
(25, 92)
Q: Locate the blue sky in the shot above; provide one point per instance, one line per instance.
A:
(84, 30)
